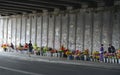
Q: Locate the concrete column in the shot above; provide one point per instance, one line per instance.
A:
(92, 28)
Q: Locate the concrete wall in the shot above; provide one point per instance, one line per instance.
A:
(78, 30)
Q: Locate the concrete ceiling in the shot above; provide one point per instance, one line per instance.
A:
(10, 7)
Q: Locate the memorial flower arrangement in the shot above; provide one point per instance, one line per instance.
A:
(68, 53)
(62, 49)
(53, 50)
(45, 49)
(26, 46)
(118, 54)
(4, 45)
(86, 52)
(20, 47)
(106, 54)
(35, 46)
(96, 55)
(111, 55)
(77, 52)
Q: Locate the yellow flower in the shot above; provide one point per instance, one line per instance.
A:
(68, 53)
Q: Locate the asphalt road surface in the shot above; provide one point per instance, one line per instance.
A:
(14, 66)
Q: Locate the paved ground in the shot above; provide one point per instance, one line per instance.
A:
(24, 56)
(21, 64)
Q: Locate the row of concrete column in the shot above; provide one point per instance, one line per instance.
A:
(83, 29)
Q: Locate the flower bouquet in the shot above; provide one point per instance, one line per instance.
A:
(4, 46)
(96, 55)
(118, 56)
(69, 55)
(86, 54)
(77, 53)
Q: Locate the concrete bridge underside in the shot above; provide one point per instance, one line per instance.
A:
(78, 29)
